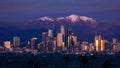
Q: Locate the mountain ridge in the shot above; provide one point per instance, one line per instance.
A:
(71, 18)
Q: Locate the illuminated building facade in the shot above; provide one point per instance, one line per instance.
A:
(59, 40)
(7, 44)
(99, 43)
(103, 45)
(85, 46)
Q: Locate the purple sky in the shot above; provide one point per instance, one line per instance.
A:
(22, 10)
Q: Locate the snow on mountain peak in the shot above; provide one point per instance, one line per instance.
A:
(73, 18)
(45, 18)
(60, 18)
(84, 18)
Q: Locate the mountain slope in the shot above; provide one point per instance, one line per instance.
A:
(72, 19)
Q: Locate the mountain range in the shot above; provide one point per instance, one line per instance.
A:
(83, 26)
(72, 19)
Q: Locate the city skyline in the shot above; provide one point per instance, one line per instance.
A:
(63, 41)
(59, 33)
(50, 33)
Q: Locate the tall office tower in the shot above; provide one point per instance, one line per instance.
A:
(50, 37)
(16, 41)
(33, 42)
(98, 43)
(72, 45)
(68, 39)
(114, 40)
(7, 44)
(45, 41)
(50, 34)
(74, 39)
(59, 40)
(85, 46)
(103, 45)
(50, 46)
(62, 30)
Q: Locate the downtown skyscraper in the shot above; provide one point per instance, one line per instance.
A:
(16, 41)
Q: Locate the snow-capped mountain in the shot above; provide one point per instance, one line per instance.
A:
(76, 18)
(71, 19)
(45, 18)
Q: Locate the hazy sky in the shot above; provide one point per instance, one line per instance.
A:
(22, 10)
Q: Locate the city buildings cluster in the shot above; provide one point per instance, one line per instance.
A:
(64, 41)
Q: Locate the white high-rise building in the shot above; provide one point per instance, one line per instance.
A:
(16, 41)
(50, 33)
(59, 40)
